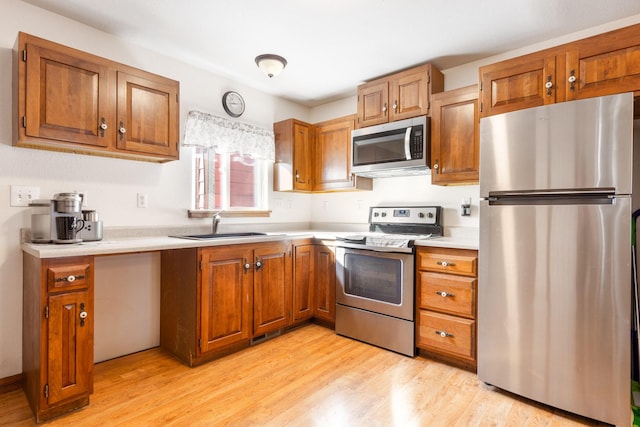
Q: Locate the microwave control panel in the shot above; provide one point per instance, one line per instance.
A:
(405, 215)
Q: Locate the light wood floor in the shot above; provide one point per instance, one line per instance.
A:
(307, 377)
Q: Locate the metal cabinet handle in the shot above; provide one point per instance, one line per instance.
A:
(446, 263)
(70, 278)
(384, 108)
(247, 266)
(395, 105)
(122, 130)
(103, 126)
(444, 334)
(572, 80)
(258, 264)
(549, 85)
(445, 294)
(436, 166)
(83, 314)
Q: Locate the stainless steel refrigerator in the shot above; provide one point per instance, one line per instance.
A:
(554, 302)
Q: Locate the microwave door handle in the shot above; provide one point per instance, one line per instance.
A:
(407, 140)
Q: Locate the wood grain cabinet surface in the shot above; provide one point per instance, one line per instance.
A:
(69, 100)
(446, 304)
(398, 96)
(455, 140)
(57, 349)
(314, 282)
(315, 157)
(604, 64)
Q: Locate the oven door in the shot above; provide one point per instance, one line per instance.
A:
(380, 282)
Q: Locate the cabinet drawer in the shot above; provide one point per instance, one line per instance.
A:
(62, 278)
(448, 261)
(459, 334)
(448, 293)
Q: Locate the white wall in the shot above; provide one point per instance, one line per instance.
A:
(112, 184)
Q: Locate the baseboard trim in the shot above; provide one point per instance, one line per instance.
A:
(11, 383)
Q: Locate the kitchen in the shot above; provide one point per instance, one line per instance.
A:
(111, 185)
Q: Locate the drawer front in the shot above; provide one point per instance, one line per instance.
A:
(449, 334)
(62, 278)
(448, 293)
(455, 262)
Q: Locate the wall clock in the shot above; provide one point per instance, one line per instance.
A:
(233, 103)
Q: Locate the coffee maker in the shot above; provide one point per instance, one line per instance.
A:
(60, 220)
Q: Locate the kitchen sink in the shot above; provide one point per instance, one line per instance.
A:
(220, 235)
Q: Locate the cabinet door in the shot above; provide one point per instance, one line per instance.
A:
(225, 297)
(272, 288)
(302, 157)
(303, 274)
(409, 94)
(69, 345)
(325, 283)
(454, 137)
(373, 98)
(603, 65)
(518, 83)
(333, 155)
(147, 115)
(68, 98)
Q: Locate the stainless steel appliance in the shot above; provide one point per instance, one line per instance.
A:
(554, 301)
(62, 220)
(392, 149)
(375, 286)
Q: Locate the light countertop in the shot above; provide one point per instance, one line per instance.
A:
(122, 245)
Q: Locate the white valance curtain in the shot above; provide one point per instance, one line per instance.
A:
(228, 136)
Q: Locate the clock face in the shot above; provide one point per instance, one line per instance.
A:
(233, 103)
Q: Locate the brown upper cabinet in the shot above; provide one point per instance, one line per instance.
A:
(604, 64)
(69, 100)
(455, 146)
(398, 96)
(315, 157)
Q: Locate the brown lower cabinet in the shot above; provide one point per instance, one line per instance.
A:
(57, 348)
(215, 300)
(447, 286)
(314, 290)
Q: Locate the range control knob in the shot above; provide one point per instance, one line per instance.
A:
(376, 214)
(429, 215)
(421, 215)
(384, 214)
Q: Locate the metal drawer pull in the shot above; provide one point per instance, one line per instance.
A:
(444, 334)
(445, 294)
(446, 263)
(71, 278)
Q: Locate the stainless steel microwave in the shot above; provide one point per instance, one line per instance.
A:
(392, 149)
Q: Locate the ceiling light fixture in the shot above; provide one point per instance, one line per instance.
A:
(271, 64)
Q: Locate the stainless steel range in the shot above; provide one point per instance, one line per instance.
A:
(375, 286)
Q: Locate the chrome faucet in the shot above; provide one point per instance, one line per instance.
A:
(215, 223)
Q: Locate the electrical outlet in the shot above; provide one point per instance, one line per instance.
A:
(22, 195)
(142, 200)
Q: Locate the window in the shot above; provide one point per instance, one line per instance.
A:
(229, 181)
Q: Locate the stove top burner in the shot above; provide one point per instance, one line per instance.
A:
(399, 227)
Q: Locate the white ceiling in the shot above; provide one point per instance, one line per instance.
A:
(333, 45)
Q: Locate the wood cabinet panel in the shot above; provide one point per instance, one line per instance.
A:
(272, 287)
(67, 97)
(448, 293)
(398, 96)
(325, 283)
(303, 274)
(69, 346)
(57, 334)
(455, 261)
(603, 65)
(225, 297)
(293, 168)
(447, 334)
(446, 303)
(455, 140)
(519, 83)
(69, 100)
(145, 110)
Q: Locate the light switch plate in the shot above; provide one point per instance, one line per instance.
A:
(22, 195)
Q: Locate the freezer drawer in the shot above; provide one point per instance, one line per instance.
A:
(554, 304)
